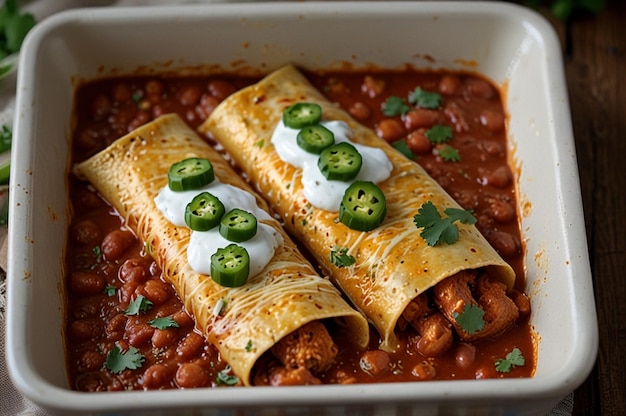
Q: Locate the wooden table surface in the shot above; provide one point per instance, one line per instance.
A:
(595, 63)
(594, 51)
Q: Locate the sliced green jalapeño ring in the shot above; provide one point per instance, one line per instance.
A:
(188, 174)
(238, 225)
(340, 162)
(363, 206)
(314, 139)
(230, 266)
(302, 115)
(204, 212)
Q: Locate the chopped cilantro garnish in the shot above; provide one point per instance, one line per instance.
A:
(225, 377)
(118, 361)
(140, 304)
(110, 290)
(395, 106)
(470, 319)
(97, 252)
(437, 229)
(339, 257)
(259, 143)
(163, 322)
(513, 359)
(249, 346)
(449, 153)
(402, 147)
(439, 134)
(424, 99)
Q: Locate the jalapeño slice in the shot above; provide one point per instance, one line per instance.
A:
(230, 266)
(192, 173)
(204, 212)
(238, 225)
(340, 162)
(301, 115)
(363, 206)
(315, 138)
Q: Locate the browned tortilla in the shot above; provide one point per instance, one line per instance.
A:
(393, 262)
(286, 295)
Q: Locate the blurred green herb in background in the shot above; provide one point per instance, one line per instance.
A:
(5, 168)
(6, 135)
(13, 27)
(567, 9)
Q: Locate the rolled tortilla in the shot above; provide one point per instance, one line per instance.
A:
(393, 264)
(285, 296)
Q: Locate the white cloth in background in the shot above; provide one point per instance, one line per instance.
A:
(12, 403)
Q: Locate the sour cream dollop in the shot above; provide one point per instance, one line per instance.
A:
(319, 191)
(203, 244)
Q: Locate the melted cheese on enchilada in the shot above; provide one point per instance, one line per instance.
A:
(243, 322)
(393, 263)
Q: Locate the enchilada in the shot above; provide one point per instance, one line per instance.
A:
(284, 295)
(389, 271)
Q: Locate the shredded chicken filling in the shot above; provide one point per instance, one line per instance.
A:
(310, 350)
(434, 314)
(296, 358)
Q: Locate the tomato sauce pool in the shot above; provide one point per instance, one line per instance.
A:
(126, 328)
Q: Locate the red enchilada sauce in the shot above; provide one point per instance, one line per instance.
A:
(117, 299)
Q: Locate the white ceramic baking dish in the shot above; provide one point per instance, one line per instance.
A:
(513, 46)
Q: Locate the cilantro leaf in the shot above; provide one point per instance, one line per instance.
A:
(449, 153)
(512, 359)
(110, 290)
(439, 134)
(395, 106)
(140, 304)
(97, 253)
(402, 147)
(249, 346)
(163, 322)
(118, 361)
(424, 99)
(461, 215)
(470, 319)
(339, 257)
(428, 215)
(225, 377)
(437, 229)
